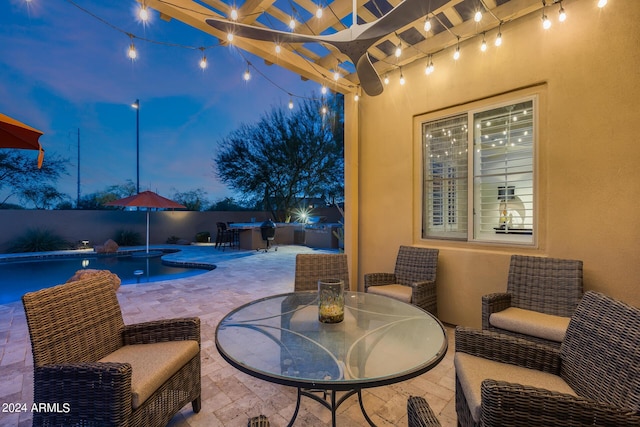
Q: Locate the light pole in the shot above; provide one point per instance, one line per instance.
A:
(136, 105)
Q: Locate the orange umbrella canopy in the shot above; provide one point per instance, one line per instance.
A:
(147, 199)
(15, 134)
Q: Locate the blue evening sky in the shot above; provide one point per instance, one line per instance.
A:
(62, 69)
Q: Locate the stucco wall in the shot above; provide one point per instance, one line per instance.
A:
(98, 226)
(588, 69)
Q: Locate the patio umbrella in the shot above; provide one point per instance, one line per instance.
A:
(15, 134)
(147, 199)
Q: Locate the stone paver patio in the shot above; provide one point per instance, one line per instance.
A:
(229, 396)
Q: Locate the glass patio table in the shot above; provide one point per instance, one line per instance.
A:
(381, 341)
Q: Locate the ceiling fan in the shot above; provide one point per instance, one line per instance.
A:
(353, 41)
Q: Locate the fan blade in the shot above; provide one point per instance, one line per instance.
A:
(369, 79)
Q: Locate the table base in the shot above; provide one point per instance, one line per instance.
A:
(332, 406)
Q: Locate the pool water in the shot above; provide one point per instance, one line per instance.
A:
(20, 277)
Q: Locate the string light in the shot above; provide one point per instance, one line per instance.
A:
(402, 81)
(483, 46)
(290, 104)
(323, 90)
(398, 51)
(229, 37)
(203, 60)
(324, 110)
(336, 75)
(234, 14)
(356, 97)
(247, 75)
(278, 48)
(499, 36)
(430, 68)
(602, 3)
(478, 16)
(386, 79)
(319, 12)
(546, 22)
(132, 53)
(562, 15)
(456, 54)
(292, 24)
(427, 24)
(143, 13)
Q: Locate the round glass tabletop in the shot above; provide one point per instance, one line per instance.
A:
(380, 341)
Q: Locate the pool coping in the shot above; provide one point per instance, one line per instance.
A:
(79, 253)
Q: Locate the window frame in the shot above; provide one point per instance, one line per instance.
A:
(537, 95)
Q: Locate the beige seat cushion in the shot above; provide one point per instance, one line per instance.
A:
(152, 364)
(532, 323)
(472, 370)
(399, 292)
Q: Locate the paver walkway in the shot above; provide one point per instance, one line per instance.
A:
(229, 396)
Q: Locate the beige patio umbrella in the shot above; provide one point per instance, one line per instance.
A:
(147, 199)
(15, 134)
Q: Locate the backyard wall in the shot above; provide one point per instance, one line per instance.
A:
(98, 226)
(588, 169)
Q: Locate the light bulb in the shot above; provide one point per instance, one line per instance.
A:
(602, 3)
(143, 13)
(292, 24)
(133, 54)
(499, 39)
(386, 80)
(278, 48)
(562, 15)
(291, 104)
(247, 75)
(546, 22)
(319, 12)
(398, 51)
(456, 54)
(430, 68)
(356, 97)
(324, 109)
(229, 37)
(478, 16)
(427, 25)
(203, 62)
(483, 46)
(234, 14)
(336, 76)
(402, 82)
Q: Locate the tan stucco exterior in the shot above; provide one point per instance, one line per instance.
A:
(587, 74)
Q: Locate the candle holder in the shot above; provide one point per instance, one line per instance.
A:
(330, 300)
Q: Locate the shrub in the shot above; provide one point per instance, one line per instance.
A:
(203, 237)
(39, 240)
(127, 238)
(173, 240)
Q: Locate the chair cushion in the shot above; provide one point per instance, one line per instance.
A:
(400, 292)
(528, 322)
(472, 370)
(152, 364)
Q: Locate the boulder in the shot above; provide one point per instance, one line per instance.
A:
(107, 248)
(89, 273)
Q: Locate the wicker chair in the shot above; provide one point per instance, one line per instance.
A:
(312, 267)
(419, 413)
(593, 379)
(413, 281)
(542, 294)
(100, 372)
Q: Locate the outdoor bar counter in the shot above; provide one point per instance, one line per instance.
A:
(251, 236)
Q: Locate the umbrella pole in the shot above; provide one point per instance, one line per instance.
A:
(147, 230)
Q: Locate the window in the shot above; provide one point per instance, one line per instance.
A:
(479, 174)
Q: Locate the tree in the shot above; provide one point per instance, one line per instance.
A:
(286, 156)
(98, 199)
(41, 196)
(194, 200)
(19, 172)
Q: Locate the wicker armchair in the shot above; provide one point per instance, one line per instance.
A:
(312, 267)
(593, 379)
(542, 295)
(100, 372)
(413, 281)
(420, 414)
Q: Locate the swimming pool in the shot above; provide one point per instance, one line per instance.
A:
(18, 277)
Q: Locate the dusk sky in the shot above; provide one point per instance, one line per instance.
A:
(64, 69)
